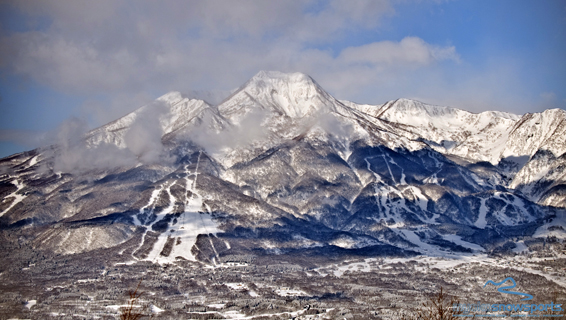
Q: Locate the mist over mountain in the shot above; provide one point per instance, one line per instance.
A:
(281, 167)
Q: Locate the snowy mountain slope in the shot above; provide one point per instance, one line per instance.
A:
(294, 95)
(481, 137)
(503, 139)
(280, 166)
(543, 179)
(277, 107)
(538, 131)
(169, 113)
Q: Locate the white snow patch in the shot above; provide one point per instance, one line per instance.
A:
(190, 224)
(17, 197)
(156, 309)
(237, 286)
(458, 240)
(412, 237)
(127, 263)
(520, 247)
(358, 266)
(30, 304)
(288, 292)
(86, 280)
(556, 228)
(33, 161)
(481, 222)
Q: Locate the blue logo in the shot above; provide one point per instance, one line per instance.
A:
(504, 289)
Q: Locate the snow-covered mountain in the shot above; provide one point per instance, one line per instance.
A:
(280, 166)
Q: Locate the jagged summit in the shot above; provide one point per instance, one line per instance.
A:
(269, 75)
(170, 112)
(171, 97)
(294, 95)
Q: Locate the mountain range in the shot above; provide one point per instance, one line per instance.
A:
(281, 167)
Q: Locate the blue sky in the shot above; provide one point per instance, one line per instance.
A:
(98, 60)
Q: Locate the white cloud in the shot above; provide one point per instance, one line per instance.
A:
(131, 46)
(130, 50)
(410, 50)
(548, 96)
(143, 138)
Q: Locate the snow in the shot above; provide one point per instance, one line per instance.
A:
(288, 292)
(238, 286)
(479, 136)
(412, 237)
(86, 280)
(17, 197)
(30, 304)
(190, 224)
(481, 222)
(458, 240)
(295, 95)
(178, 112)
(559, 230)
(359, 266)
(127, 263)
(289, 100)
(233, 314)
(422, 202)
(520, 246)
(156, 309)
(33, 161)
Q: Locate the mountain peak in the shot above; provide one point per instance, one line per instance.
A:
(264, 75)
(171, 97)
(291, 94)
(294, 83)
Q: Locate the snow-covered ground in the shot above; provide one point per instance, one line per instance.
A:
(519, 262)
(555, 228)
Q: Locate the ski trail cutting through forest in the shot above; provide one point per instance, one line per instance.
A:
(391, 211)
(182, 232)
(146, 212)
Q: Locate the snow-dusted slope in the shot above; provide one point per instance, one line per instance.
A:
(169, 113)
(527, 148)
(294, 95)
(538, 131)
(480, 137)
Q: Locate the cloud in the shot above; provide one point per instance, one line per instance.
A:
(143, 138)
(249, 129)
(410, 50)
(143, 144)
(101, 111)
(135, 46)
(79, 158)
(130, 51)
(72, 155)
(335, 125)
(549, 100)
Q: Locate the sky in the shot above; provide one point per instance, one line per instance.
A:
(98, 60)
